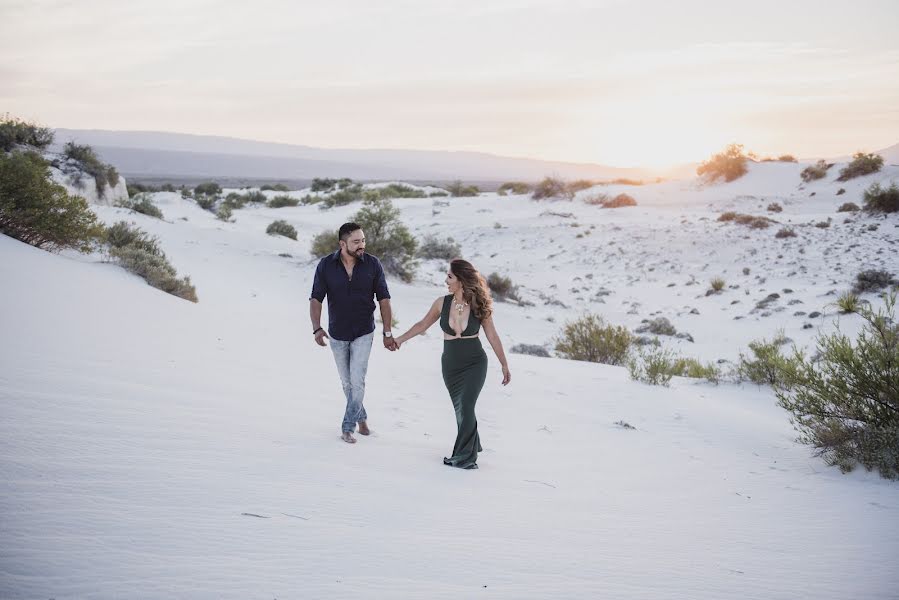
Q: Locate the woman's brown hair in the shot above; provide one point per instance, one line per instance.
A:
(474, 288)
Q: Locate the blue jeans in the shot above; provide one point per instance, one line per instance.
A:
(352, 364)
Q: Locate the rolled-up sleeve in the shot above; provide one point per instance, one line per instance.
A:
(381, 291)
(319, 284)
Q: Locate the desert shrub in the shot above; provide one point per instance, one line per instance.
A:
(224, 212)
(766, 365)
(862, 164)
(589, 338)
(348, 195)
(530, 350)
(438, 194)
(598, 199)
(822, 224)
(775, 207)
(841, 191)
(692, 368)
(104, 175)
(727, 216)
(278, 187)
(657, 326)
(514, 187)
(234, 201)
(281, 227)
(728, 165)
(324, 243)
(14, 131)
(717, 284)
(502, 287)
(846, 404)
(551, 187)
(578, 185)
(653, 365)
(143, 204)
(872, 280)
(786, 158)
(848, 302)
(256, 197)
(884, 200)
(209, 188)
(139, 253)
(848, 207)
(458, 190)
(398, 190)
(282, 201)
(751, 221)
(815, 171)
(134, 188)
(619, 201)
(785, 232)
(39, 212)
(433, 247)
(326, 185)
(387, 238)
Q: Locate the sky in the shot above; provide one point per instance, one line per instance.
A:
(652, 83)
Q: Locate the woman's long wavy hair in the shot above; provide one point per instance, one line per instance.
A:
(474, 288)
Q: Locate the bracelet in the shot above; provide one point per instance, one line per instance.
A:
(317, 330)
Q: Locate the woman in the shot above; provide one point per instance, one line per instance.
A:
(462, 313)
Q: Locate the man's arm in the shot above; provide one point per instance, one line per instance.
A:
(387, 320)
(315, 315)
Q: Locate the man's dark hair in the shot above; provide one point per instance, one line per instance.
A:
(346, 229)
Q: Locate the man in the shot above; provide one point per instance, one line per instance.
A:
(349, 278)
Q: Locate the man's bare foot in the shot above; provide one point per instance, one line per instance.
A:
(348, 437)
(363, 428)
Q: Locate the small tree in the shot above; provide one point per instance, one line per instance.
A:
(39, 212)
(729, 164)
(387, 238)
(591, 339)
(846, 404)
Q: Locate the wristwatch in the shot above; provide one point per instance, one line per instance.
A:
(387, 334)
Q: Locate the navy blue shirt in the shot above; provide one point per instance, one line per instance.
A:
(351, 309)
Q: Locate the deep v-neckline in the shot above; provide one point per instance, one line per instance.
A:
(450, 323)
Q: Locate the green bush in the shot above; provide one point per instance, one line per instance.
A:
(846, 404)
(653, 365)
(284, 228)
(282, 201)
(347, 195)
(143, 204)
(387, 238)
(278, 187)
(224, 212)
(433, 247)
(324, 243)
(591, 339)
(551, 187)
(728, 165)
(692, 368)
(862, 164)
(514, 187)
(767, 365)
(502, 288)
(14, 131)
(398, 190)
(39, 212)
(138, 253)
(326, 185)
(209, 188)
(878, 199)
(459, 190)
(104, 175)
(815, 171)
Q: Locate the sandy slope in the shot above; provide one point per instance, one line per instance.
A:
(137, 429)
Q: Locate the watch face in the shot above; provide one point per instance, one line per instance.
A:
(388, 334)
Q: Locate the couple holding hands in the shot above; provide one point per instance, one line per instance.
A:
(351, 279)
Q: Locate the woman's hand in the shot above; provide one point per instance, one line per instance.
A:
(507, 376)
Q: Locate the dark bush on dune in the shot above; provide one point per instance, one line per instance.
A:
(728, 165)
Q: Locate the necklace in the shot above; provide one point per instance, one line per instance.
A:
(460, 306)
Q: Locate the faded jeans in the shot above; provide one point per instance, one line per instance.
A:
(352, 364)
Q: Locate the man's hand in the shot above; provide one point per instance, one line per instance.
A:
(320, 336)
(390, 343)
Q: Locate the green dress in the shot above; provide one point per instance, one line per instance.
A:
(464, 372)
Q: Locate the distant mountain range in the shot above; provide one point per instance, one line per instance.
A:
(158, 155)
(147, 154)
